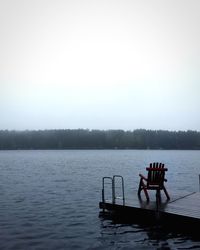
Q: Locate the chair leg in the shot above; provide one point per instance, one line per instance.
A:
(140, 187)
(146, 194)
(143, 187)
(158, 199)
(166, 193)
(158, 196)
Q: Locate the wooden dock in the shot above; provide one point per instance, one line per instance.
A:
(181, 211)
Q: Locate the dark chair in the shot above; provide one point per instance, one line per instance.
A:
(154, 181)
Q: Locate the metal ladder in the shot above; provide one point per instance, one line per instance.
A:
(113, 184)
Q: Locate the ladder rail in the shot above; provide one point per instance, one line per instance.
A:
(114, 187)
(103, 187)
(113, 191)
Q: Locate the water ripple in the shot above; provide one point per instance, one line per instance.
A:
(49, 199)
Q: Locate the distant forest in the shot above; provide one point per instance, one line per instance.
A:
(99, 139)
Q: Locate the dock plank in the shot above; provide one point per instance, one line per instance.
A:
(187, 206)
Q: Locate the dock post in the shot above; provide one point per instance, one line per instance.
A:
(113, 190)
(199, 182)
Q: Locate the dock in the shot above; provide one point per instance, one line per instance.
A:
(182, 211)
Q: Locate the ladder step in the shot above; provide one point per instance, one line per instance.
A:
(119, 197)
(108, 200)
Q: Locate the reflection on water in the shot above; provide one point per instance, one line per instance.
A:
(116, 235)
(49, 199)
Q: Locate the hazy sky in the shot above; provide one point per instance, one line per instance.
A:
(100, 64)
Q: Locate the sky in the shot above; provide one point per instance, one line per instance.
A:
(100, 64)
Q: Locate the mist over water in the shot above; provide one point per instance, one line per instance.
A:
(49, 199)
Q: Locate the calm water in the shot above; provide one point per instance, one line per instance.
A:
(49, 199)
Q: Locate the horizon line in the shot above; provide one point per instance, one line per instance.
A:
(87, 129)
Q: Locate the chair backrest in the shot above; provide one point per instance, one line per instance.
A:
(156, 174)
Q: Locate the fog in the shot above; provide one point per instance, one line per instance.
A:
(100, 64)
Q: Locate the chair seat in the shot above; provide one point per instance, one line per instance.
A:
(154, 186)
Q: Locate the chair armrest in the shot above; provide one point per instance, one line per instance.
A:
(142, 177)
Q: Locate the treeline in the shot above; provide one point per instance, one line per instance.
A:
(99, 139)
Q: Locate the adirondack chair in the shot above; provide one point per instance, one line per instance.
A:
(154, 181)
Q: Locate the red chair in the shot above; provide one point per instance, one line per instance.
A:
(154, 181)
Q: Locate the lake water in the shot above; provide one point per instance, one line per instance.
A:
(49, 199)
